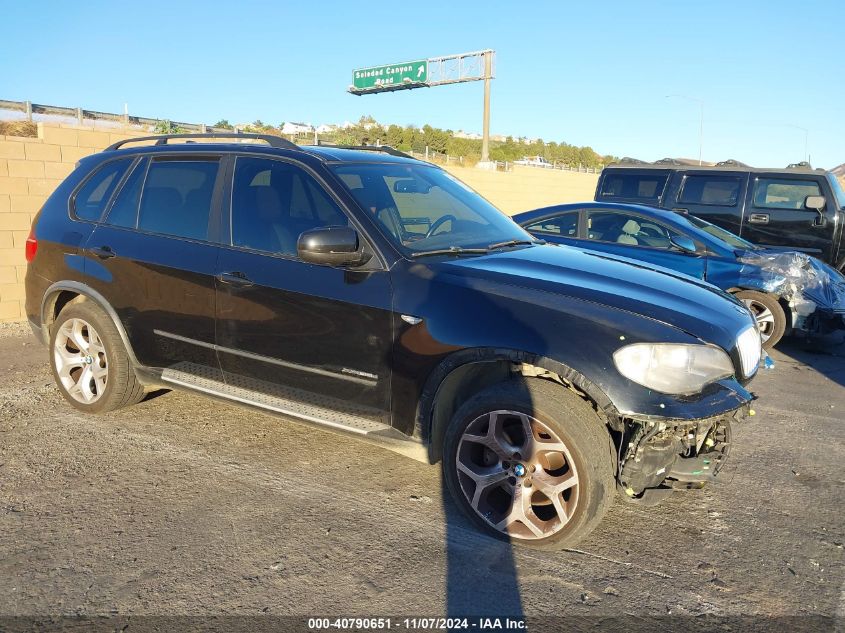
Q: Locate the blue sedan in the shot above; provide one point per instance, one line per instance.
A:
(784, 289)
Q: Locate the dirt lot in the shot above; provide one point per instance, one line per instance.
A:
(183, 505)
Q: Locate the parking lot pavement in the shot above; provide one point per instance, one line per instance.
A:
(183, 505)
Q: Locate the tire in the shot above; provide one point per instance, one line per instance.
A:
(84, 337)
(556, 417)
(771, 319)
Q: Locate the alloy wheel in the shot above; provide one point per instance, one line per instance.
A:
(517, 474)
(81, 362)
(765, 318)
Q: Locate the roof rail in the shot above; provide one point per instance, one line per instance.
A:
(731, 162)
(272, 141)
(387, 149)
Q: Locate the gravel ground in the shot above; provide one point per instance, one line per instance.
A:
(184, 505)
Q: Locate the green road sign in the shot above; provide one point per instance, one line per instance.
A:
(390, 76)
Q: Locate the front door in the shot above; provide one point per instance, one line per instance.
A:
(777, 216)
(638, 237)
(314, 333)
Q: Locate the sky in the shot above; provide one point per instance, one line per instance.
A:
(768, 73)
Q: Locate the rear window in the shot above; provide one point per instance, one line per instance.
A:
(641, 186)
(565, 225)
(91, 199)
(722, 191)
(177, 197)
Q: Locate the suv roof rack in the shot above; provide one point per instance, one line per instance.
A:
(731, 162)
(272, 141)
(387, 149)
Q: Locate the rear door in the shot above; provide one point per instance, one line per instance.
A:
(153, 258)
(777, 216)
(317, 334)
(717, 197)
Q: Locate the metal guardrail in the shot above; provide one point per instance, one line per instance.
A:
(80, 114)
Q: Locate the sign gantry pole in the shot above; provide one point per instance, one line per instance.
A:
(435, 71)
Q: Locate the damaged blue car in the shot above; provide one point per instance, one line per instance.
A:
(787, 290)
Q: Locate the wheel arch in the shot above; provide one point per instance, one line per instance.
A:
(464, 373)
(58, 295)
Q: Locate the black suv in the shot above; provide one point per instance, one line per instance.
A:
(363, 290)
(797, 207)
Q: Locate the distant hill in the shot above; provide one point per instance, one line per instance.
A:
(839, 172)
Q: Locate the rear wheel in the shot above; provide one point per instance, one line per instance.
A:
(89, 363)
(530, 462)
(771, 319)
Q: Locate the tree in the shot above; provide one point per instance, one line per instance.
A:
(224, 124)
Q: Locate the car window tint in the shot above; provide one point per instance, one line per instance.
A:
(274, 202)
(648, 186)
(565, 225)
(90, 201)
(783, 193)
(628, 229)
(711, 190)
(177, 197)
(124, 210)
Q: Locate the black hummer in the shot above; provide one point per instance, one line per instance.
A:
(797, 207)
(365, 291)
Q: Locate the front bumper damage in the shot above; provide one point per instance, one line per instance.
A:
(657, 457)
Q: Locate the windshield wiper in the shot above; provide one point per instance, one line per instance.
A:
(452, 250)
(493, 247)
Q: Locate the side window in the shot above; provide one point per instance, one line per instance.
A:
(647, 186)
(565, 225)
(627, 229)
(124, 210)
(177, 197)
(783, 193)
(91, 199)
(711, 190)
(274, 202)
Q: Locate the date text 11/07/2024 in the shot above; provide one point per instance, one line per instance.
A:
(417, 624)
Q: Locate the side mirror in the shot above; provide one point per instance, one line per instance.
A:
(683, 244)
(816, 203)
(410, 185)
(331, 246)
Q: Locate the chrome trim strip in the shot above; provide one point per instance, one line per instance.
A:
(275, 361)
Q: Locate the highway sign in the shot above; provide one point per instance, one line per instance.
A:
(390, 76)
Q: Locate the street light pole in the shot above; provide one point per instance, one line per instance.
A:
(700, 120)
(806, 138)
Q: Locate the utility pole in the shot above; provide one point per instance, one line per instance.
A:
(700, 120)
(485, 134)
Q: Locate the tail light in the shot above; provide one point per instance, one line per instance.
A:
(31, 245)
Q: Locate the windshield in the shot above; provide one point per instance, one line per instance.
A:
(734, 241)
(423, 208)
(837, 191)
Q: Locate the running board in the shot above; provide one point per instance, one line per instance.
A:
(279, 399)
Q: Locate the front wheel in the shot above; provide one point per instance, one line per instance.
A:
(530, 462)
(771, 319)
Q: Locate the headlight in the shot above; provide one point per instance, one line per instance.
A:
(673, 367)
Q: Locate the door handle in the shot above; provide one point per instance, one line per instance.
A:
(680, 210)
(235, 278)
(103, 252)
(758, 218)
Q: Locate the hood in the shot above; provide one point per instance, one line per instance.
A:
(698, 308)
